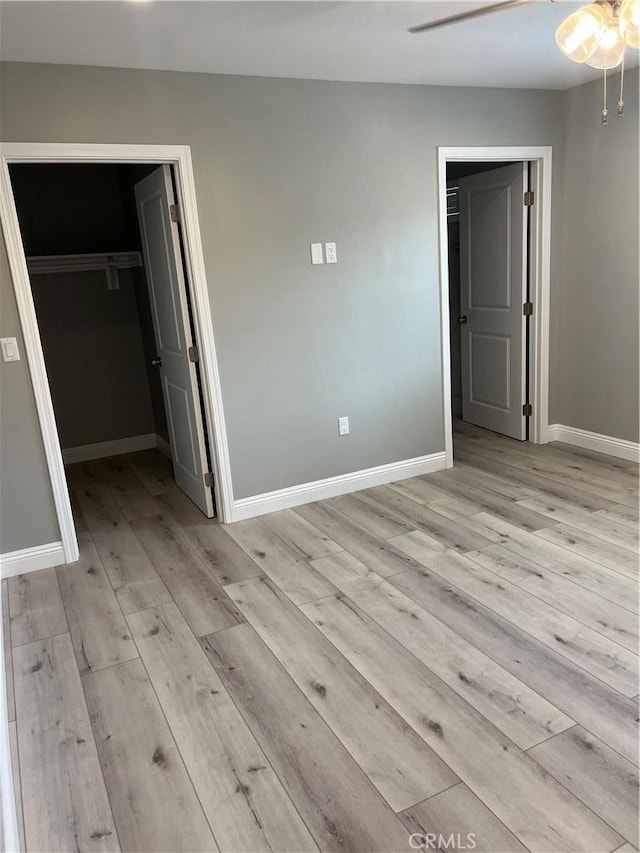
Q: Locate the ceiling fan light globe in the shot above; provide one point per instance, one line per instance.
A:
(611, 47)
(630, 22)
(578, 35)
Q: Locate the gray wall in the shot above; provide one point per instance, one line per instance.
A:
(279, 164)
(94, 355)
(27, 513)
(594, 357)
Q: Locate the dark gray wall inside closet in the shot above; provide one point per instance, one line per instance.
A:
(98, 343)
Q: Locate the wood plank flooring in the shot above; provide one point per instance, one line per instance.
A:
(446, 658)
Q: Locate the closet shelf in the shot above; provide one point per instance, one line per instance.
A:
(110, 262)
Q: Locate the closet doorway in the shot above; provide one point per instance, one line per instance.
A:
(115, 305)
(510, 307)
(489, 294)
(107, 278)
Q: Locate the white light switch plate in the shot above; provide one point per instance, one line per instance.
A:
(316, 253)
(10, 349)
(331, 253)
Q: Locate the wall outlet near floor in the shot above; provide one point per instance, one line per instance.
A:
(343, 426)
(331, 253)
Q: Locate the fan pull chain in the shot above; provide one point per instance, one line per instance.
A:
(605, 111)
(620, 104)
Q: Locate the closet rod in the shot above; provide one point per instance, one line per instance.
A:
(110, 262)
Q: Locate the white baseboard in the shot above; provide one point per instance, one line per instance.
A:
(85, 452)
(619, 447)
(31, 559)
(333, 486)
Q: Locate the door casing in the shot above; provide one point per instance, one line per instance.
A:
(178, 156)
(540, 158)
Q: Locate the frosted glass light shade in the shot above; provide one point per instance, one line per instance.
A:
(630, 22)
(610, 49)
(579, 34)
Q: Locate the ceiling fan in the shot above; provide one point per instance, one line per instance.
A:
(596, 34)
(465, 16)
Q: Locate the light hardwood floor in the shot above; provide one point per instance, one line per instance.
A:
(453, 655)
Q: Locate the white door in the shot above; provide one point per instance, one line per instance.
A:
(167, 292)
(493, 267)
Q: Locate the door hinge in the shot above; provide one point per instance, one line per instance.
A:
(174, 212)
(529, 198)
(208, 480)
(193, 354)
(527, 410)
(527, 309)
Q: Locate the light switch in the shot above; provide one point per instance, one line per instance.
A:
(331, 253)
(10, 349)
(316, 253)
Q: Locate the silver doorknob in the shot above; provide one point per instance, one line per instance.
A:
(157, 361)
(462, 320)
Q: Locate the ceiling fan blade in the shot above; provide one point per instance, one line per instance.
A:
(465, 16)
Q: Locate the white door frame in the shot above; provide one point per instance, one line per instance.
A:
(540, 267)
(179, 156)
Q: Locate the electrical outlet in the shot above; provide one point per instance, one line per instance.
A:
(331, 253)
(343, 426)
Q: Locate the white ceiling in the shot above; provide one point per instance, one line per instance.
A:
(359, 41)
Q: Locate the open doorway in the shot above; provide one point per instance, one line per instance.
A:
(489, 299)
(494, 216)
(108, 278)
(179, 158)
